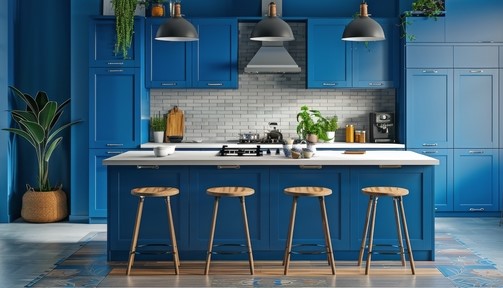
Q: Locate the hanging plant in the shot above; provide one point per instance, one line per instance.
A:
(424, 8)
(124, 25)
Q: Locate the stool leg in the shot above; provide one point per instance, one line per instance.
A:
(407, 239)
(134, 241)
(247, 232)
(399, 230)
(176, 259)
(212, 234)
(371, 238)
(328, 240)
(288, 249)
(365, 230)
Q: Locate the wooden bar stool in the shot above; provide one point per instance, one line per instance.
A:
(232, 191)
(147, 192)
(374, 193)
(319, 192)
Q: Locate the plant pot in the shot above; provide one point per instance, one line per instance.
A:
(157, 10)
(312, 138)
(158, 136)
(44, 207)
(331, 136)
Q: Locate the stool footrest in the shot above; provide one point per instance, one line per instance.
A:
(153, 252)
(308, 252)
(229, 252)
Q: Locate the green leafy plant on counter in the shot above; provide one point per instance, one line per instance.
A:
(331, 124)
(424, 8)
(311, 122)
(158, 122)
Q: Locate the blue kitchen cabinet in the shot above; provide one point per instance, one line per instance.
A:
(429, 56)
(308, 223)
(424, 29)
(329, 58)
(474, 21)
(230, 221)
(476, 108)
(476, 180)
(375, 63)
(215, 55)
(210, 62)
(154, 227)
(429, 108)
(443, 177)
(102, 39)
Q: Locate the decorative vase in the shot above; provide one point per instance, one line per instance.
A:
(312, 138)
(311, 147)
(331, 136)
(44, 207)
(158, 136)
(157, 10)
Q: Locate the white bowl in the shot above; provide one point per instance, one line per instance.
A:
(161, 151)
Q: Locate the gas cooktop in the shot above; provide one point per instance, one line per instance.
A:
(240, 151)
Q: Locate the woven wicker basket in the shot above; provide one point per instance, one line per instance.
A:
(44, 207)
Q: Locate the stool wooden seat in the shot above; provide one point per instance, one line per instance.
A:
(229, 191)
(374, 193)
(309, 191)
(146, 192)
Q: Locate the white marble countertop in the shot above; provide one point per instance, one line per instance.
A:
(374, 157)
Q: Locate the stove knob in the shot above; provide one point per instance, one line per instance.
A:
(268, 151)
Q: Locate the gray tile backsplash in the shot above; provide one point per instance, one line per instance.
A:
(219, 115)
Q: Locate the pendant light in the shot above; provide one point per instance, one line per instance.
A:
(176, 28)
(363, 28)
(272, 28)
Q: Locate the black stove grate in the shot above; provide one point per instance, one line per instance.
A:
(240, 151)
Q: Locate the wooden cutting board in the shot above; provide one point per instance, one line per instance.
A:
(176, 122)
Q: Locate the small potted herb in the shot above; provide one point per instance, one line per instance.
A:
(158, 126)
(311, 125)
(330, 127)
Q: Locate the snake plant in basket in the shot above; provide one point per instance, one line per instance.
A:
(37, 125)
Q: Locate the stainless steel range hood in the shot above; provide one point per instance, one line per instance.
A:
(272, 56)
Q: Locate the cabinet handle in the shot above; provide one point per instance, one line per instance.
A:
(376, 84)
(215, 84)
(168, 84)
(430, 152)
(114, 152)
(476, 71)
(228, 167)
(114, 144)
(390, 166)
(475, 152)
(430, 71)
(147, 166)
(476, 209)
(430, 144)
(310, 166)
(115, 63)
(329, 84)
(115, 70)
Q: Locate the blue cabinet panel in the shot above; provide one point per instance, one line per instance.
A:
(215, 55)
(476, 108)
(102, 39)
(476, 180)
(329, 58)
(429, 108)
(425, 29)
(308, 225)
(443, 177)
(474, 21)
(501, 56)
(423, 56)
(114, 107)
(475, 56)
(229, 222)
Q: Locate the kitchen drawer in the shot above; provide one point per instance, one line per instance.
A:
(425, 56)
(476, 56)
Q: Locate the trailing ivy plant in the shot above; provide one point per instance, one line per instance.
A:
(124, 25)
(425, 8)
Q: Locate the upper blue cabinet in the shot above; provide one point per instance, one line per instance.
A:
(333, 63)
(210, 62)
(474, 21)
(102, 38)
(424, 29)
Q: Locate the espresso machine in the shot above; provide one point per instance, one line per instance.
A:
(382, 127)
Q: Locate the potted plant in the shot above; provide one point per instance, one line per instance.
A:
(423, 8)
(330, 127)
(37, 124)
(311, 125)
(157, 8)
(158, 125)
(124, 25)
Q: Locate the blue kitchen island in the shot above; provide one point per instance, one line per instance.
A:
(269, 208)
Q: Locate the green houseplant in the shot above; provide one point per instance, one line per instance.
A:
(158, 126)
(311, 125)
(330, 127)
(424, 8)
(124, 25)
(37, 125)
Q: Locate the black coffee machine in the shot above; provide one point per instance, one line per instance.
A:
(382, 127)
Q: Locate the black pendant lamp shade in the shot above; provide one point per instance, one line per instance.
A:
(363, 28)
(176, 28)
(272, 28)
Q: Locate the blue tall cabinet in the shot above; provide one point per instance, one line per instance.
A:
(118, 105)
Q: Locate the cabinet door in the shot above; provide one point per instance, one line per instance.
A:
(425, 29)
(308, 225)
(98, 183)
(476, 180)
(429, 108)
(215, 55)
(114, 107)
(443, 177)
(229, 221)
(168, 63)
(375, 63)
(329, 58)
(102, 39)
(476, 108)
